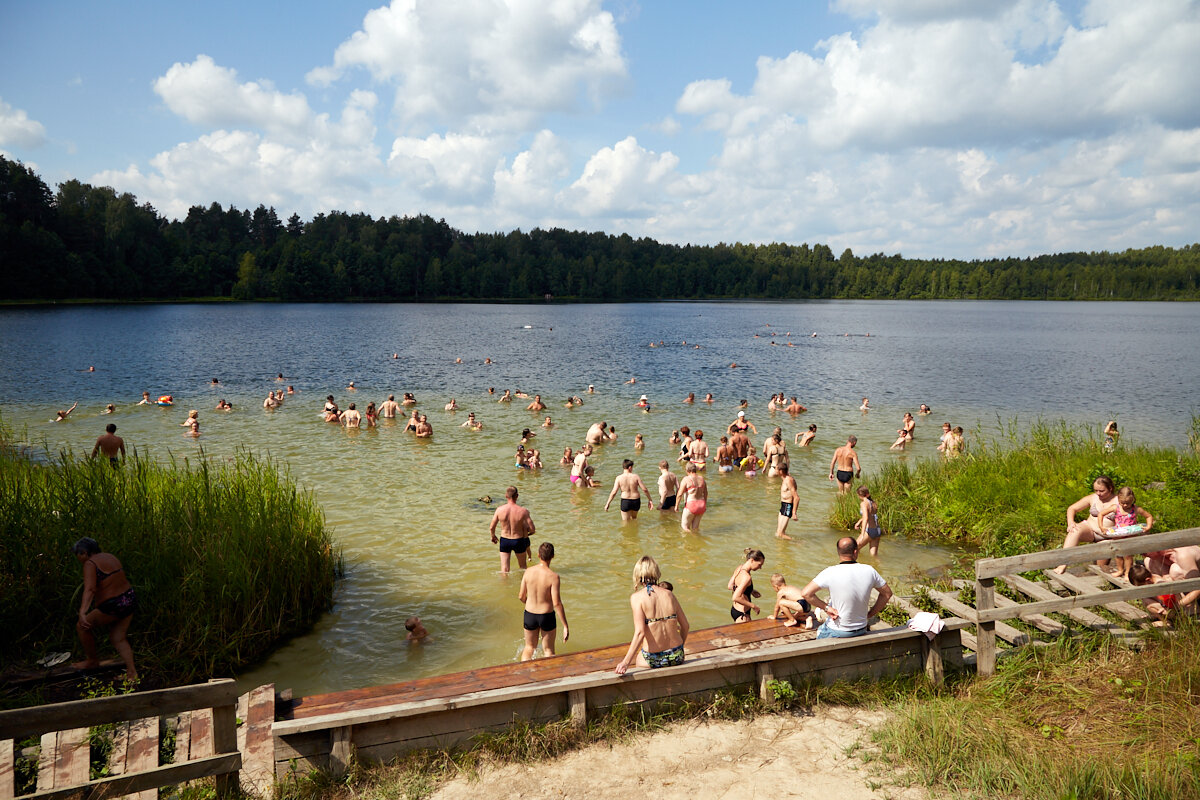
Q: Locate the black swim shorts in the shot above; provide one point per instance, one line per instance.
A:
(845, 475)
(668, 503)
(540, 622)
(514, 545)
(631, 505)
(785, 509)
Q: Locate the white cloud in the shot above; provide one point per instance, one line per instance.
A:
(624, 180)
(484, 64)
(18, 130)
(207, 94)
(530, 183)
(454, 165)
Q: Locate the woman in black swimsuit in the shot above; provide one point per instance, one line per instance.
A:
(743, 587)
(105, 584)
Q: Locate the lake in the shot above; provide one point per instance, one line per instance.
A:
(407, 513)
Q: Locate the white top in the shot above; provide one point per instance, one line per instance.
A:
(849, 587)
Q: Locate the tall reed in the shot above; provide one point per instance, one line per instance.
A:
(228, 557)
(1009, 493)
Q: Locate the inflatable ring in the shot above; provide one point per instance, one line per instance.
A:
(166, 400)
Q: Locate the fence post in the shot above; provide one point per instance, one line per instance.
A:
(577, 702)
(765, 675)
(985, 632)
(931, 653)
(224, 740)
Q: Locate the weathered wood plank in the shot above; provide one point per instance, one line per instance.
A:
(73, 758)
(183, 737)
(1091, 585)
(1085, 553)
(258, 746)
(1006, 632)
(1042, 623)
(985, 630)
(577, 704)
(1115, 580)
(1080, 601)
(47, 758)
(200, 740)
(127, 784)
(142, 755)
(22, 722)
(224, 740)
(1039, 591)
(7, 770)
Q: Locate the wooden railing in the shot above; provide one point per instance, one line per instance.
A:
(987, 614)
(65, 755)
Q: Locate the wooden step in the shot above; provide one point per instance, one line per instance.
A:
(1115, 580)
(1039, 621)
(968, 639)
(1091, 584)
(1037, 591)
(1005, 631)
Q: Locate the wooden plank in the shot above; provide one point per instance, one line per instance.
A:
(1081, 601)
(22, 722)
(258, 747)
(127, 784)
(7, 770)
(1091, 585)
(597, 678)
(341, 751)
(183, 737)
(1085, 553)
(1006, 632)
(200, 739)
(142, 753)
(1039, 591)
(764, 676)
(47, 758)
(224, 740)
(1042, 623)
(986, 631)
(577, 703)
(71, 759)
(931, 653)
(1115, 580)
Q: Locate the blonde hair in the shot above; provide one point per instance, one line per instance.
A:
(1126, 497)
(645, 571)
(193, 414)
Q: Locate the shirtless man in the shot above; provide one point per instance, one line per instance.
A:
(423, 430)
(795, 408)
(845, 464)
(110, 444)
(61, 415)
(698, 451)
(628, 483)
(537, 404)
(668, 487)
(549, 423)
(516, 526)
(724, 457)
(541, 594)
(739, 443)
(789, 503)
(693, 494)
(389, 407)
(472, 423)
(452, 405)
(579, 465)
(595, 434)
(506, 397)
(271, 402)
(806, 438)
(350, 418)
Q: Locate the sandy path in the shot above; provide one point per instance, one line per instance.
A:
(774, 756)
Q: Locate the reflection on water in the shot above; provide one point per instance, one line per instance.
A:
(407, 512)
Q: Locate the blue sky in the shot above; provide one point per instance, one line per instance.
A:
(955, 128)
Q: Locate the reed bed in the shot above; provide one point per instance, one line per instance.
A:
(228, 557)
(1009, 493)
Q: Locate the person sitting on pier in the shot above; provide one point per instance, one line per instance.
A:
(106, 585)
(849, 584)
(660, 628)
(790, 604)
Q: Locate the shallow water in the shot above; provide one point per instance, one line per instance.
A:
(407, 513)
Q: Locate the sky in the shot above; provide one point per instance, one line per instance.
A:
(930, 128)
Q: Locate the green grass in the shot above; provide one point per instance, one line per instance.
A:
(1085, 719)
(1009, 494)
(228, 558)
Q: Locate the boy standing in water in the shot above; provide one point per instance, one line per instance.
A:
(868, 524)
(541, 595)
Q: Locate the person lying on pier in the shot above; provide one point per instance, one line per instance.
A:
(790, 604)
(416, 630)
(660, 628)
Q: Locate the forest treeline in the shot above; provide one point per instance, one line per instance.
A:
(89, 242)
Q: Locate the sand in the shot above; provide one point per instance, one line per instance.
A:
(773, 756)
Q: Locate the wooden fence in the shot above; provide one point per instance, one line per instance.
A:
(988, 613)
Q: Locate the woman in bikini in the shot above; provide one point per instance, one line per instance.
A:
(660, 628)
(1104, 491)
(693, 498)
(105, 585)
(742, 586)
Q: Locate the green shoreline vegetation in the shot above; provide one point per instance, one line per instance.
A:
(90, 242)
(228, 558)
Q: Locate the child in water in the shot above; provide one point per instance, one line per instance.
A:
(1125, 512)
(868, 525)
(416, 631)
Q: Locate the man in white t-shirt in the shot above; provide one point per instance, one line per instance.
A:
(849, 585)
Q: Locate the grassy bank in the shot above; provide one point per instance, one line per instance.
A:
(1085, 719)
(1010, 492)
(227, 557)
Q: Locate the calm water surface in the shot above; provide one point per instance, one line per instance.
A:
(407, 513)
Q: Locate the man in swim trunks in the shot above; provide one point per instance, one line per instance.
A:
(693, 492)
(424, 429)
(596, 433)
(110, 444)
(739, 445)
(542, 597)
(1177, 564)
(389, 407)
(795, 408)
(789, 503)
(724, 457)
(668, 487)
(537, 404)
(698, 451)
(845, 465)
(579, 465)
(628, 483)
(516, 526)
